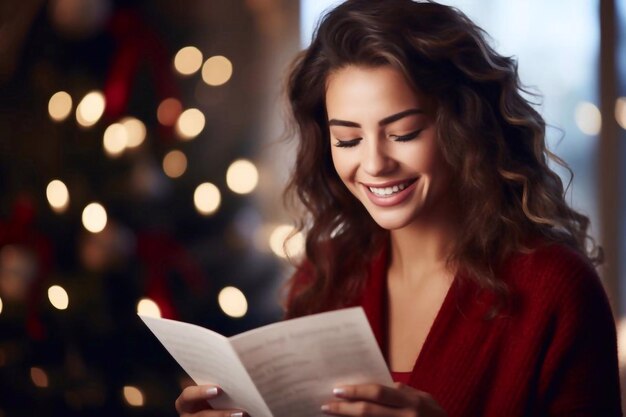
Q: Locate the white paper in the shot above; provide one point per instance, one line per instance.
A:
(288, 367)
(208, 358)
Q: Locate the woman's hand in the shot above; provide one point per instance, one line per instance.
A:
(193, 402)
(377, 400)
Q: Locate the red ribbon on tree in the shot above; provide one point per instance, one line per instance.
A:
(27, 244)
(161, 254)
(137, 43)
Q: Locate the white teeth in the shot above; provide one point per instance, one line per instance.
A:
(382, 192)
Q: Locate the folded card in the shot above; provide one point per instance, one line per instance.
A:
(283, 369)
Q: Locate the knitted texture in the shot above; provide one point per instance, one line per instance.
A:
(551, 353)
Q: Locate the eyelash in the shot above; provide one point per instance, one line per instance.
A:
(353, 142)
(407, 137)
(347, 143)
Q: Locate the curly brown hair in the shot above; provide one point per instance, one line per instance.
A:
(489, 134)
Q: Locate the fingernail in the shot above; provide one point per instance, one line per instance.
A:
(237, 414)
(339, 391)
(212, 392)
(325, 407)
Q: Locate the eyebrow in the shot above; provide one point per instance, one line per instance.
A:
(383, 122)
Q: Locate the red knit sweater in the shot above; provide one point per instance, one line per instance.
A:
(553, 353)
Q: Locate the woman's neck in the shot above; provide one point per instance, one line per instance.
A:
(421, 250)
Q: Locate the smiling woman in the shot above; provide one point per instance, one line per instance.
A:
(385, 148)
(430, 203)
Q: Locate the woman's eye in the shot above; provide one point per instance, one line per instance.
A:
(347, 143)
(407, 137)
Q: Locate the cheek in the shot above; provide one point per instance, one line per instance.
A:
(425, 157)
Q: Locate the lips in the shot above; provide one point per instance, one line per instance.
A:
(390, 193)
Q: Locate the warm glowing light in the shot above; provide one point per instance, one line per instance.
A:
(135, 131)
(60, 106)
(284, 244)
(174, 164)
(233, 302)
(217, 70)
(190, 124)
(94, 218)
(207, 198)
(39, 377)
(168, 111)
(58, 195)
(90, 109)
(242, 176)
(133, 396)
(621, 342)
(0, 305)
(58, 297)
(147, 307)
(620, 111)
(115, 139)
(188, 60)
(588, 118)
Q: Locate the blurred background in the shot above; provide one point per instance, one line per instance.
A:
(142, 161)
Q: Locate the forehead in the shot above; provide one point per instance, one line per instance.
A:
(356, 91)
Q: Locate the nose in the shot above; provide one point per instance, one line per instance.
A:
(375, 158)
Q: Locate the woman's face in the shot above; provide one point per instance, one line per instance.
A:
(384, 147)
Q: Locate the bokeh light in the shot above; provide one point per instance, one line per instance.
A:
(39, 377)
(58, 297)
(188, 60)
(232, 302)
(90, 109)
(169, 111)
(147, 307)
(60, 106)
(217, 70)
(242, 176)
(133, 396)
(190, 124)
(207, 198)
(135, 131)
(588, 118)
(174, 164)
(94, 217)
(285, 241)
(115, 139)
(1, 305)
(19, 266)
(58, 196)
(620, 111)
(621, 342)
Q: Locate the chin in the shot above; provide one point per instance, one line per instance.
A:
(391, 221)
(392, 226)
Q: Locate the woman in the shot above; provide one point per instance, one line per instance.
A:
(430, 203)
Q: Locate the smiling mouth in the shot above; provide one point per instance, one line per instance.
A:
(391, 190)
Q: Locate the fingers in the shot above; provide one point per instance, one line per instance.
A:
(193, 402)
(195, 398)
(373, 400)
(361, 408)
(399, 396)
